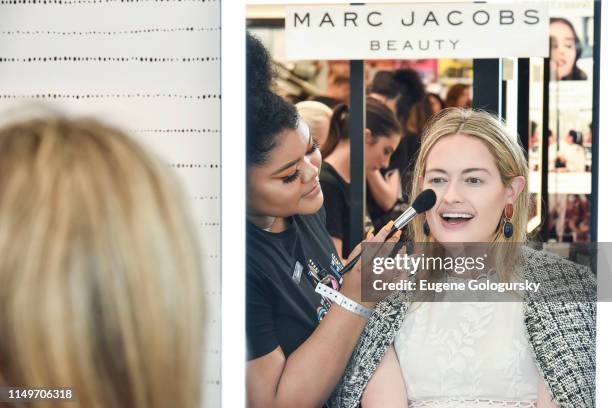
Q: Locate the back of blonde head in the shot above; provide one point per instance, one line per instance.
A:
(100, 277)
(317, 116)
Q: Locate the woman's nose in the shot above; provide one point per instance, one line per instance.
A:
(385, 163)
(309, 171)
(453, 193)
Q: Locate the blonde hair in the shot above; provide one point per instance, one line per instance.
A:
(100, 272)
(317, 116)
(507, 153)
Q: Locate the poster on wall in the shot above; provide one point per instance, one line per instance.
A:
(569, 218)
(569, 135)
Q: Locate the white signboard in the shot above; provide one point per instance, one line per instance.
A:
(413, 31)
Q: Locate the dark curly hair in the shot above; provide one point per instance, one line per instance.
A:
(268, 114)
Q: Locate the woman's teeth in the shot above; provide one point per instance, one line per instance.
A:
(456, 216)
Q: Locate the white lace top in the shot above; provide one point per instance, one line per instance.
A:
(465, 355)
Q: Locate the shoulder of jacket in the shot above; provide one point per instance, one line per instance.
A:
(539, 265)
(561, 326)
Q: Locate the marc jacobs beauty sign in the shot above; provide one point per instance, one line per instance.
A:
(411, 31)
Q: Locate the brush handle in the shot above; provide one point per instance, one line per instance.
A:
(356, 259)
(350, 265)
(390, 234)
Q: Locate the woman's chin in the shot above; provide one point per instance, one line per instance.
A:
(311, 205)
(451, 239)
(466, 236)
(455, 235)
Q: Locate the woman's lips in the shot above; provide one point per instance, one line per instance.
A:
(454, 223)
(315, 191)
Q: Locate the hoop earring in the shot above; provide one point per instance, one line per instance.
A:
(426, 229)
(508, 227)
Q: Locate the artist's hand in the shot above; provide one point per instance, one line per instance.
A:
(351, 286)
(372, 174)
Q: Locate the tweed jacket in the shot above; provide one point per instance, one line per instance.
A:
(559, 321)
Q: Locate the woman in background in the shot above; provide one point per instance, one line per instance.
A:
(412, 91)
(317, 116)
(100, 273)
(419, 116)
(386, 89)
(565, 49)
(382, 135)
(404, 157)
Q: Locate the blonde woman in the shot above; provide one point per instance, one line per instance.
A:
(317, 116)
(536, 351)
(100, 277)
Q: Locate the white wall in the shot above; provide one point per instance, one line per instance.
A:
(173, 106)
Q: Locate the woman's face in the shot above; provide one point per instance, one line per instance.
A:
(471, 196)
(379, 150)
(288, 183)
(562, 49)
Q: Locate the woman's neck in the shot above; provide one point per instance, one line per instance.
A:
(267, 223)
(340, 160)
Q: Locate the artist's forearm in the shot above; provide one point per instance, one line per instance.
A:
(312, 371)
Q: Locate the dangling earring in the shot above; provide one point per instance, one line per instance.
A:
(508, 227)
(426, 229)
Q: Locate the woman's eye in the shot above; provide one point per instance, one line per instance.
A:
(292, 177)
(437, 180)
(473, 180)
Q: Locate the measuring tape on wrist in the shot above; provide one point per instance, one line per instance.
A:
(342, 300)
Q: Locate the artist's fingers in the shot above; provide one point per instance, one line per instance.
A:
(389, 246)
(382, 234)
(370, 234)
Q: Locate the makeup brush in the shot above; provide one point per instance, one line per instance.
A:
(424, 202)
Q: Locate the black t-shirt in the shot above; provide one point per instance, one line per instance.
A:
(405, 157)
(282, 307)
(336, 198)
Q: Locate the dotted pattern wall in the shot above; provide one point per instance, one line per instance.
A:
(149, 66)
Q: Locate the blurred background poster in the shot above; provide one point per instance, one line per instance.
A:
(569, 135)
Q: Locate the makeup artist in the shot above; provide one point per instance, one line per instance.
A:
(298, 341)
